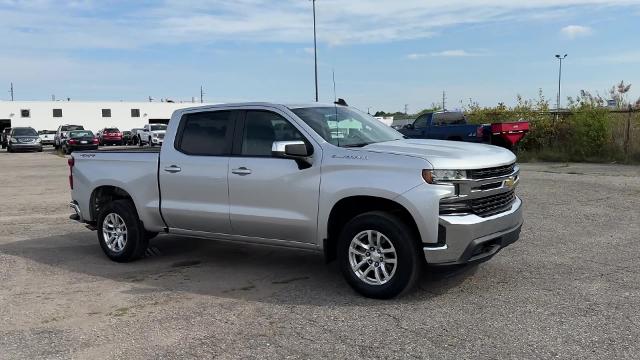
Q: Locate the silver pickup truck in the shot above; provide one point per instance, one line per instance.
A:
(321, 177)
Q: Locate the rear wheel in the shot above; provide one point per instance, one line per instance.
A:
(379, 255)
(120, 232)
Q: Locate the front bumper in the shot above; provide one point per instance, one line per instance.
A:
(156, 140)
(28, 146)
(470, 238)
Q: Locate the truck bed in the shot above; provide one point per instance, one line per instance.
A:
(134, 171)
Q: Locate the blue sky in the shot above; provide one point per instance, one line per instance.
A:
(385, 53)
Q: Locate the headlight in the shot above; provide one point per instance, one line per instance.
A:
(13, 140)
(155, 135)
(443, 176)
(38, 140)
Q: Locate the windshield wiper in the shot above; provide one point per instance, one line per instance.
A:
(357, 144)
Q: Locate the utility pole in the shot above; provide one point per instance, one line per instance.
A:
(559, 80)
(201, 95)
(444, 100)
(53, 97)
(315, 48)
(406, 109)
(11, 91)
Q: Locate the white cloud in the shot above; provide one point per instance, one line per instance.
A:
(574, 31)
(82, 24)
(446, 53)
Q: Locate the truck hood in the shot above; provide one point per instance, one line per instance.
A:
(455, 155)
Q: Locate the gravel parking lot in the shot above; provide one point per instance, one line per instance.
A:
(570, 288)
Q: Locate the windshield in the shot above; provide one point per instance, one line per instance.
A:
(346, 127)
(24, 132)
(82, 133)
(158, 127)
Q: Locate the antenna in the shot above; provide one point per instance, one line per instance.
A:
(333, 74)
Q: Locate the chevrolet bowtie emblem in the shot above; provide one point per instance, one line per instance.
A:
(510, 182)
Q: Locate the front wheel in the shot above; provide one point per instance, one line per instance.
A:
(120, 232)
(378, 255)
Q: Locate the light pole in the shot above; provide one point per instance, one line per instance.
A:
(559, 79)
(315, 47)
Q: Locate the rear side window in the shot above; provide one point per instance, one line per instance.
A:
(448, 118)
(262, 128)
(71, 127)
(206, 133)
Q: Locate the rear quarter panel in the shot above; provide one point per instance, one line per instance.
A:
(134, 172)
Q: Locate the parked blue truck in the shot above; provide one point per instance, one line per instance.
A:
(453, 125)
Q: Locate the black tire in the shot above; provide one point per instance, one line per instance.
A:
(40, 149)
(140, 142)
(136, 242)
(9, 148)
(4, 146)
(409, 263)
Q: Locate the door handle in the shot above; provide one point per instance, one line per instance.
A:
(172, 169)
(242, 171)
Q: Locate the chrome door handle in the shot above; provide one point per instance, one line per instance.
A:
(242, 171)
(172, 169)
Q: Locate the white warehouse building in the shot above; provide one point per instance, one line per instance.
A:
(48, 115)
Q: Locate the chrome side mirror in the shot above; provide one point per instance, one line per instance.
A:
(290, 149)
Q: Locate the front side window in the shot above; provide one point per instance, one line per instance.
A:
(346, 127)
(205, 133)
(421, 122)
(262, 128)
(106, 112)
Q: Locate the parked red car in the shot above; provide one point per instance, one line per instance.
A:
(110, 136)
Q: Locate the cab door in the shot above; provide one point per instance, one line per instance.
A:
(272, 198)
(193, 172)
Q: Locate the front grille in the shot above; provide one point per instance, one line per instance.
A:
(492, 205)
(160, 136)
(485, 206)
(492, 172)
